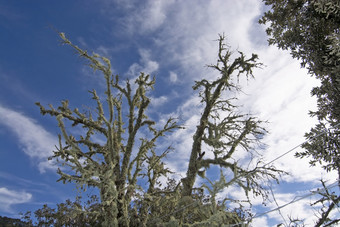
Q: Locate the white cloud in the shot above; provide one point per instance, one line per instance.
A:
(34, 140)
(82, 42)
(103, 51)
(300, 210)
(12, 197)
(147, 16)
(153, 15)
(183, 31)
(280, 94)
(187, 36)
(173, 77)
(156, 102)
(9, 14)
(146, 65)
(262, 221)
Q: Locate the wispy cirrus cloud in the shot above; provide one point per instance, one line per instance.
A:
(34, 140)
(146, 64)
(8, 14)
(10, 197)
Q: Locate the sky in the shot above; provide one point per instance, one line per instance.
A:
(170, 39)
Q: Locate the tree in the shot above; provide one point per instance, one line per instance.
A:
(223, 129)
(10, 222)
(310, 30)
(110, 167)
(118, 166)
(67, 214)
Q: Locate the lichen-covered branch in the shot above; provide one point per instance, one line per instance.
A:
(108, 166)
(223, 134)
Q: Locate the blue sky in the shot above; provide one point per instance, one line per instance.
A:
(172, 40)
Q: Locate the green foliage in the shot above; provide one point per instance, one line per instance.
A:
(12, 222)
(68, 214)
(309, 29)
